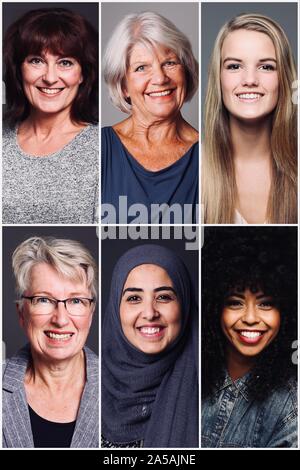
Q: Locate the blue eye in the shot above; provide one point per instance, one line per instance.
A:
(41, 301)
(140, 68)
(233, 66)
(268, 67)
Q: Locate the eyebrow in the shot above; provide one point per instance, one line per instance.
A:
(241, 296)
(48, 294)
(144, 61)
(267, 59)
(157, 289)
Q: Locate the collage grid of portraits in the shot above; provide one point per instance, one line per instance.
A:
(109, 240)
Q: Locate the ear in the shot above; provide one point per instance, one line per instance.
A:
(20, 315)
(81, 79)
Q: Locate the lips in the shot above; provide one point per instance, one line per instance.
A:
(160, 93)
(151, 331)
(249, 96)
(61, 336)
(50, 91)
(250, 336)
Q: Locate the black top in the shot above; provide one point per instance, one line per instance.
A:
(49, 434)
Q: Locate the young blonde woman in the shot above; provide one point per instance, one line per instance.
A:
(249, 167)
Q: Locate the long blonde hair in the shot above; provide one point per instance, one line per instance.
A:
(219, 192)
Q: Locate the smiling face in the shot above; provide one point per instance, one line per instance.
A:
(58, 335)
(155, 83)
(150, 311)
(50, 82)
(250, 322)
(249, 77)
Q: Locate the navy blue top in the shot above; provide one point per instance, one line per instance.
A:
(122, 175)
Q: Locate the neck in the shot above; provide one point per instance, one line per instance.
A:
(44, 125)
(250, 141)
(237, 364)
(57, 375)
(156, 131)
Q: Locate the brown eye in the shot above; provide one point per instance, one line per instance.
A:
(133, 298)
(233, 303)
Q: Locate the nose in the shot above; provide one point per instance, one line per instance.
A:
(60, 316)
(150, 312)
(250, 77)
(250, 316)
(159, 75)
(50, 75)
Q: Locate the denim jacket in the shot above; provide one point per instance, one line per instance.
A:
(233, 419)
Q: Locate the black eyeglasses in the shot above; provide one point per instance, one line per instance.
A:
(75, 306)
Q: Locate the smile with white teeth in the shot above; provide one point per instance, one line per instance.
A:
(249, 96)
(51, 91)
(147, 330)
(251, 334)
(160, 93)
(58, 336)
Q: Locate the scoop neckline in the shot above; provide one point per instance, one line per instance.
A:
(56, 423)
(145, 170)
(49, 155)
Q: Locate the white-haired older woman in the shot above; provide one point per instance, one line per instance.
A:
(50, 387)
(150, 160)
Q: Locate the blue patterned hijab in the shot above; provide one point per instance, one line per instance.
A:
(150, 397)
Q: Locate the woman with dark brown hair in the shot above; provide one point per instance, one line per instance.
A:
(50, 141)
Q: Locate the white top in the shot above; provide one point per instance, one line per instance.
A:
(239, 219)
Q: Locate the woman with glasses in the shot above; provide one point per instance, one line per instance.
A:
(50, 387)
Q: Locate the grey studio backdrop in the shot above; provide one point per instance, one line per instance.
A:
(183, 15)
(215, 15)
(13, 335)
(113, 249)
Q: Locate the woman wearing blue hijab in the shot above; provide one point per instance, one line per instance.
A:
(150, 353)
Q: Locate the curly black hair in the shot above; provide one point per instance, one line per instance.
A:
(257, 258)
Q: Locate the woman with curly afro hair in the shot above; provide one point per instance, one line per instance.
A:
(249, 333)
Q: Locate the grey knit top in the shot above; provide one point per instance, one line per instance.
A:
(61, 187)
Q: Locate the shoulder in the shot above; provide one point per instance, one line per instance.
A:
(285, 398)
(14, 368)
(8, 134)
(89, 134)
(92, 361)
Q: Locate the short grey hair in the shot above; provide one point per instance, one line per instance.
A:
(65, 256)
(146, 28)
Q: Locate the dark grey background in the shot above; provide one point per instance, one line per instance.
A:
(215, 15)
(13, 335)
(112, 250)
(183, 15)
(13, 11)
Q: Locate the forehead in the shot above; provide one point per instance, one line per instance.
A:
(148, 275)
(143, 51)
(43, 277)
(242, 43)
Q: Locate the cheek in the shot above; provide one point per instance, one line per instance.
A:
(29, 76)
(173, 316)
(227, 320)
(275, 322)
(228, 82)
(33, 324)
(129, 316)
